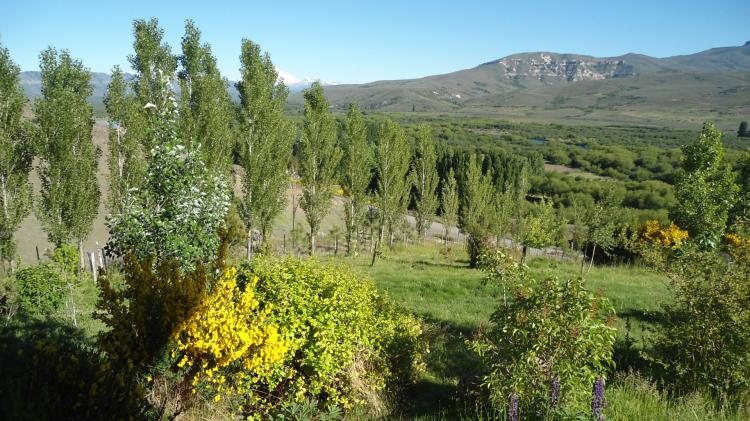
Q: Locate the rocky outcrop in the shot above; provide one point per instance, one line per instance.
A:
(549, 69)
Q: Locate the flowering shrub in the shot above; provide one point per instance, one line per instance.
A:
(346, 343)
(141, 310)
(546, 332)
(228, 329)
(652, 232)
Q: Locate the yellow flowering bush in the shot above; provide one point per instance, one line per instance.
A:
(347, 344)
(671, 236)
(226, 343)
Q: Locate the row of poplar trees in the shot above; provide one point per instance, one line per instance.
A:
(170, 161)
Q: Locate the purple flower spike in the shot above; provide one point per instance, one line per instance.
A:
(513, 414)
(597, 403)
(555, 395)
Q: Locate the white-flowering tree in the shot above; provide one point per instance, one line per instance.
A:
(177, 212)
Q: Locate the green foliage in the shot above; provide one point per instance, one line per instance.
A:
(704, 342)
(265, 139)
(425, 179)
(141, 310)
(41, 290)
(152, 60)
(319, 158)
(392, 158)
(177, 212)
(206, 108)
(742, 131)
(51, 371)
(126, 127)
(449, 203)
(476, 206)
(356, 172)
(705, 189)
(16, 153)
(66, 258)
(540, 225)
(547, 329)
(347, 343)
(70, 194)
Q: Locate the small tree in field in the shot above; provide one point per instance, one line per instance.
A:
(70, 194)
(601, 223)
(476, 207)
(356, 172)
(392, 165)
(742, 131)
(16, 154)
(425, 179)
(705, 189)
(449, 203)
(319, 156)
(539, 226)
(265, 141)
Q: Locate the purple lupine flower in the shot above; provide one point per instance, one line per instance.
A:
(513, 414)
(597, 402)
(555, 395)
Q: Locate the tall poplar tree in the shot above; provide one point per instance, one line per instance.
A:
(425, 179)
(126, 156)
(476, 206)
(356, 172)
(16, 154)
(206, 108)
(70, 194)
(265, 138)
(319, 156)
(705, 189)
(449, 202)
(392, 156)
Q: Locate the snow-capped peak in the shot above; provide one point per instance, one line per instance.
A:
(297, 84)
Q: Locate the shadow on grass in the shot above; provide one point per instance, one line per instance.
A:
(453, 372)
(649, 317)
(456, 264)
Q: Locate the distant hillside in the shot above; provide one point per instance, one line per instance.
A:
(632, 88)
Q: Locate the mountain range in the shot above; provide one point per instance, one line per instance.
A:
(632, 88)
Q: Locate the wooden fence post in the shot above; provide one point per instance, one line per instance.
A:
(93, 266)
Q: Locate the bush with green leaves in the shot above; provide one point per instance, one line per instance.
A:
(349, 346)
(704, 342)
(41, 290)
(545, 330)
(66, 258)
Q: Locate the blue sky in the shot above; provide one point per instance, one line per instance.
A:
(352, 42)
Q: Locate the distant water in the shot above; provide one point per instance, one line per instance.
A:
(538, 140)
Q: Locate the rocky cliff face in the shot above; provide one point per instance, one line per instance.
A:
(547, 68)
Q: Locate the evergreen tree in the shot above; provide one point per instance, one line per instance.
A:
(705, 189)
(476, 206)
(742, 131)
(356, 172)
(126, 157)
(449, 203)
(425, 179)
(70, 194)
(265, 138)
(319, 156)
(16, 154)
(392, 165)
(206, 108)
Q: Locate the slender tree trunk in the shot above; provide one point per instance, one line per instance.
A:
(312, 242)
(593, 252)
(377, 242)
(81, 259)
(249, 244)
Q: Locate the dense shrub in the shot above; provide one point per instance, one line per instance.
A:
(50, 371)
(142, 309)
(704, 342)
(544, 332)
(41, 290)
(66, 258)
(226, 345)
(347, 344)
